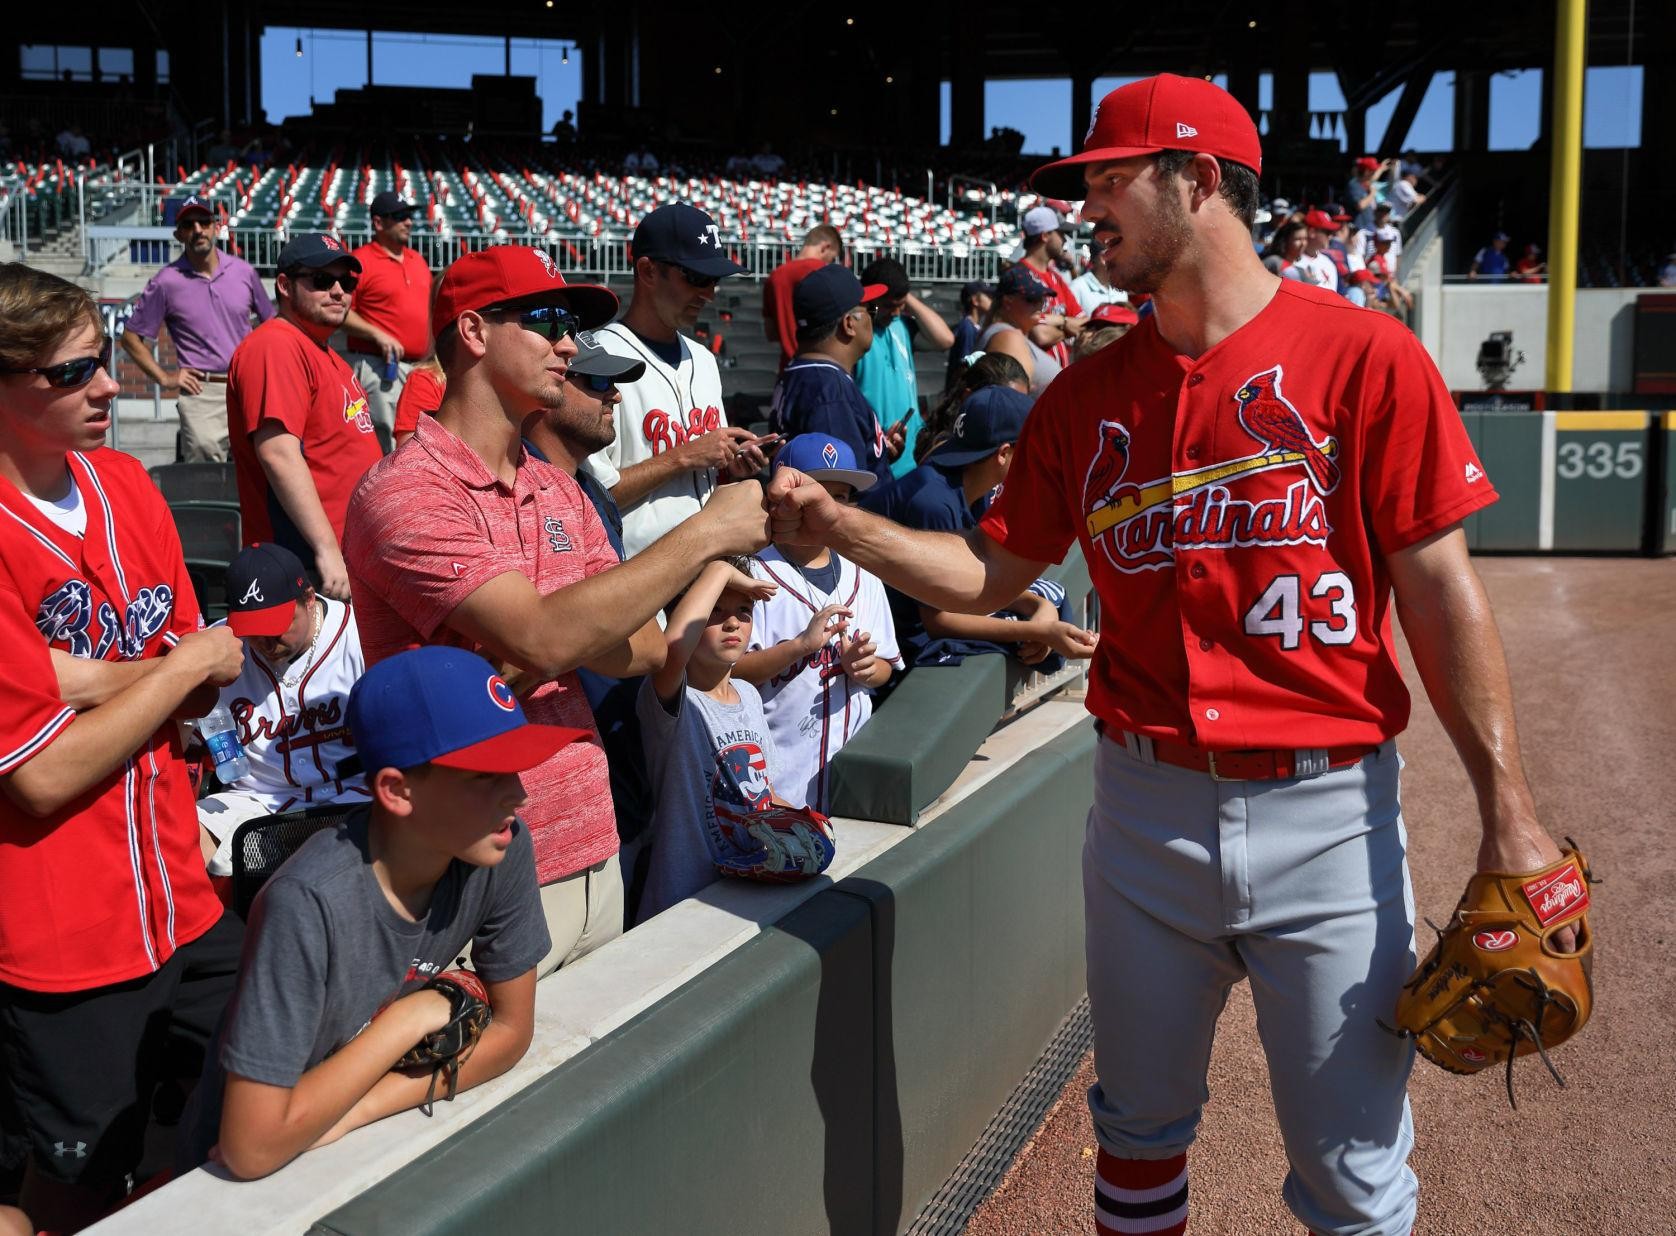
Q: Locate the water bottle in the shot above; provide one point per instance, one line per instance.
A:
(222, 739)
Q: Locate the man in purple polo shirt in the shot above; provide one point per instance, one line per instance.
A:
(206, 299)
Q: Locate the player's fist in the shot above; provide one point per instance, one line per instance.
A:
(734, 518)
(802, 511)
(216, 652)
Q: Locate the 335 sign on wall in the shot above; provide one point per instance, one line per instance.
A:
(1599, 461)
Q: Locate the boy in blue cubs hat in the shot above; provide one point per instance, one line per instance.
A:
(344, 938)
(950, 491)
(823, 643)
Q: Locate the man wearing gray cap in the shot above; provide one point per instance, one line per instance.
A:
(206, 299)
(389, 318)
(1063, 318)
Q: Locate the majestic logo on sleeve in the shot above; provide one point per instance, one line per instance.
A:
(1140, 526)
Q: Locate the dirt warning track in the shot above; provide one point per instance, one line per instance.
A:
(1592, 647)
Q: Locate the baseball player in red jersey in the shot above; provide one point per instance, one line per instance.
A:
(111, 939)
(1252, 473)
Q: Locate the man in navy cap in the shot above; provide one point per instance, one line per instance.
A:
(673, 441)
(1490, 263)
(389, 318)
(206, 299)
(817, 392)
(301, 433)
(345, 939)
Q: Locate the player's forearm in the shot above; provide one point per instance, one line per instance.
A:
(942, 569)
(282, 459)
(140, 352)
(97, 742)
(637, 480)
(641, 653)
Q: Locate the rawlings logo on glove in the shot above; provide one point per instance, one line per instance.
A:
(1495, 987)
(787, 844)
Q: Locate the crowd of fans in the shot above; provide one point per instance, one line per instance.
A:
(546, 652)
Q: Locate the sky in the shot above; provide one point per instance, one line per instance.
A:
(1039, 108)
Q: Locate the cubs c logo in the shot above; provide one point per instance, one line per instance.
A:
(829, 455)
(501, 693)
(1495, 941)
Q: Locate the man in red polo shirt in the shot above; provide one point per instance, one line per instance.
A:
(389, 318)
(1253, 473)
(301, 434)
(461, 538)
(821, 247)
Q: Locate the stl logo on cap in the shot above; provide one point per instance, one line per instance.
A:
(501, 693)
(829, 453)
(547, 261)
(1093, 123)
(331, 242)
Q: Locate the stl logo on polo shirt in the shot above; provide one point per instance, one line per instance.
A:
(557, 538)
(1140, 525)
(355, 409)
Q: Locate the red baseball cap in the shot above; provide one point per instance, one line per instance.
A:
(1158, 113)
(1368, 163)
(1115, 315)
(505, 273)
(1322, 220)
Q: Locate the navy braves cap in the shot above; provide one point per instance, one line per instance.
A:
(1020, 280)
(389, 203)
(193, 205)
(824, 458)
(685, 235)
(593, 361)
(988, 420)
(446, 706)
(827, 294)
(264, 584)
(977, 287)
(312, 250)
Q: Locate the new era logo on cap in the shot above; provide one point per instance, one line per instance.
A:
(1185, 130)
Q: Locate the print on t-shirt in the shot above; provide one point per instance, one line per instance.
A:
(740, 786)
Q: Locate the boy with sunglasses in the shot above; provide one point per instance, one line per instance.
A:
(462, 538)
(301, 433)
(673, 442)
(113, 947)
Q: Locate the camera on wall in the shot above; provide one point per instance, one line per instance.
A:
(1497, 359)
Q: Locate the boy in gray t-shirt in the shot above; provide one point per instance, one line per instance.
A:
(345, 937)
(707, 745)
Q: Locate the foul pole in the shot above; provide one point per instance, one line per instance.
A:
(1570, 46)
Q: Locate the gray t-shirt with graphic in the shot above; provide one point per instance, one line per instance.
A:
(710, 764)
(325, 951)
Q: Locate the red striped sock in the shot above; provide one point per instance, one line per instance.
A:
(1140, 1197)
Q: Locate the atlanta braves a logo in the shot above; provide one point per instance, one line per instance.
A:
(1140, 527)
(67, 617)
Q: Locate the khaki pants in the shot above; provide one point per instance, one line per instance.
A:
(203, 425)
(583, 911)
(381, 395)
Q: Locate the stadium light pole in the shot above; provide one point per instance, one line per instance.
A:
(1564, 189)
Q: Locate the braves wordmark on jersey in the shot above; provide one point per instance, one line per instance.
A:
(107, 887)
(1235, 512)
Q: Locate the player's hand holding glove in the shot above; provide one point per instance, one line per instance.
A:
(789, 844)
(1495, 986)
(443, 1051)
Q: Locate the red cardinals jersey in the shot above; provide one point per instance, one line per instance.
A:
(1061, 300)
(280, 374)
(1235, 512)
(106, 888)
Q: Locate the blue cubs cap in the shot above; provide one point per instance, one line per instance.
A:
(312, 250)
(827, 294)
(824, 458)
(446, 706)
(988, 420)
(685, 235)
(264, 584)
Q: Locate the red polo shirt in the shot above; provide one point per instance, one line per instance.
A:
(394, 295)
(428, 527)
(280, 374)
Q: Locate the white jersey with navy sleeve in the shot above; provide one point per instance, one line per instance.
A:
(813, 707)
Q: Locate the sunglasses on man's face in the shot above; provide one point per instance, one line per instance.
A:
(551, 322)
(693, 278)
(322, 281)
(71, 373)
(593, 383)
(401, 216)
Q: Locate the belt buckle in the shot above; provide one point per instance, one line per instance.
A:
(1210, 756)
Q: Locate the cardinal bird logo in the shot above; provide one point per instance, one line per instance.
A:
(1106, 469)
(1273, 421)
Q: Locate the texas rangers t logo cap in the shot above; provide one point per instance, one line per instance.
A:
(1166, 112)
(446, 706)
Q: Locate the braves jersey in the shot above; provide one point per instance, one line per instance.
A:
(1236, 510)
(105, 888)
(658, 413)
(813, 707)
(294, 721)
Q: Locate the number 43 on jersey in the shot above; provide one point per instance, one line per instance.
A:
(1281, 610)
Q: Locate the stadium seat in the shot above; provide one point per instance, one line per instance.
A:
(196, 482)
(261, 846)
